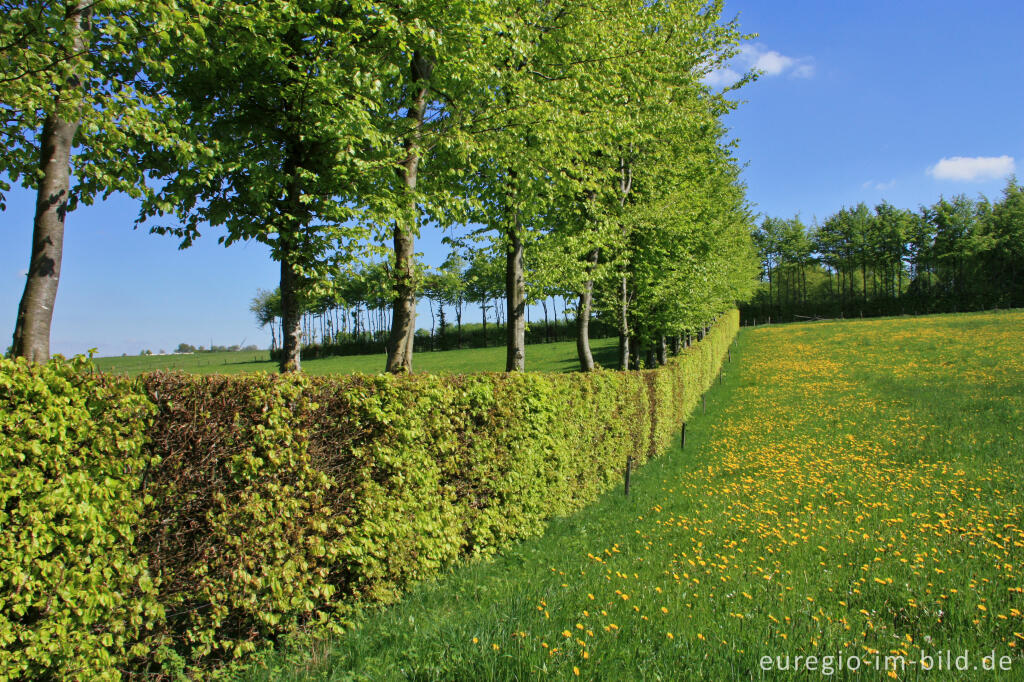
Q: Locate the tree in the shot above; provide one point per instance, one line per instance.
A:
(285, 94)
(483, 282)
(451, 288)
(439, 73)
(1001, 247)
(266, 306)
(75, 93)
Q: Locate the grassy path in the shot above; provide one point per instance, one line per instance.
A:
(854, 492)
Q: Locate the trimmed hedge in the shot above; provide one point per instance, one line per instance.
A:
(276, 502)
(75, 597)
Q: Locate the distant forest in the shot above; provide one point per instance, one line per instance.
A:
(957, 254)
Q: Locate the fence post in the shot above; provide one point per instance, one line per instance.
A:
(629, 466)
(682, 443)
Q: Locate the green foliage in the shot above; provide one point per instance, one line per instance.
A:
(103, 85)
(238, 539)
(76, 601)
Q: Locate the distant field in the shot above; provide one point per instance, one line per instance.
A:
(856, 492)
(540, 357)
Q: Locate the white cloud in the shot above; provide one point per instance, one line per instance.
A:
(720, 78)
(768, 62)
(973, 168)
(771, 62)
(804, 70)
(880, 186)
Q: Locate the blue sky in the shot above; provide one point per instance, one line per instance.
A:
(861, 101)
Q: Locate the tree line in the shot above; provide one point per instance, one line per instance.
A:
(353, 317)
(955, 254)
(577, 142)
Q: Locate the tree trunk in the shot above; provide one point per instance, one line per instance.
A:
(291, 316)
(35, 311)
(624, 324)
(403, 320)
(430, 303)
(458, 321)
(864, 278)
(515, 294)
(483, 312)
(442, 326)
(662, 351)
(583, 317)
(547, 324)
(554, 314)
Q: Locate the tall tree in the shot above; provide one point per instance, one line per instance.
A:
(75, 97)
(451, 288)
(286, 94)
(266, 306)
(1001, 248)
(440, 82)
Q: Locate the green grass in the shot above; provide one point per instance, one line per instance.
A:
(540, 357)
(854, 488)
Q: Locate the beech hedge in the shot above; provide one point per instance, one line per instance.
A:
(75, 595)
(227, 510)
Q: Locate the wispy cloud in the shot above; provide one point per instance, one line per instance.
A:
(880, 186)
(769, 62)
(721, 78)
(973, 168)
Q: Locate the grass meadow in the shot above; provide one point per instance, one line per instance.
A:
(540, 357)
(854, 493)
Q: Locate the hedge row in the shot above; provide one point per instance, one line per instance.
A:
(262, 503)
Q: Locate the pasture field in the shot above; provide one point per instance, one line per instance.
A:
(855, 493)
(540, 357)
